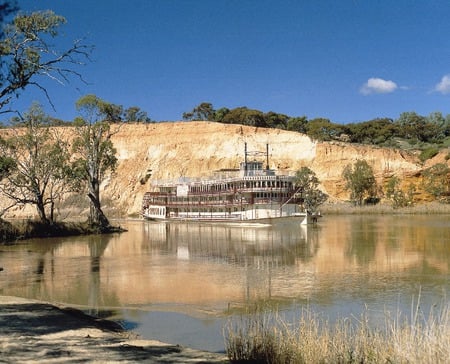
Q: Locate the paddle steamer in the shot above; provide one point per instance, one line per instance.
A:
(252, 193)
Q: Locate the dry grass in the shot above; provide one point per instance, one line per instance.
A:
(267, 338)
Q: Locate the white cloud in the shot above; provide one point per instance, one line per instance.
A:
(444, 86)
(378, 86)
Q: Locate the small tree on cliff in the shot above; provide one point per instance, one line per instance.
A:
(360, 180)
(204, 111)
(94, 151)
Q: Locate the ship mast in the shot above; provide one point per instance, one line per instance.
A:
(245, 158)
(247, 153)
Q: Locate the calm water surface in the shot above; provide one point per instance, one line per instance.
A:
(180, 283)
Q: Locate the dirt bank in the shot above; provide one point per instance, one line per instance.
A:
(37, 332)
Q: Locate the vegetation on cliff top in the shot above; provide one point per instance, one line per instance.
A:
(409, 131)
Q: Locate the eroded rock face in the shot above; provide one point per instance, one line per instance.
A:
(151, 152)
(195, 149)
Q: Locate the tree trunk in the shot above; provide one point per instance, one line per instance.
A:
(97, 217)
(41, 210)
(52, 211)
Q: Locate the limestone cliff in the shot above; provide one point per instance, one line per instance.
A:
(151, 152)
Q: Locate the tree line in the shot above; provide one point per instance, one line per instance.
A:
(410, 126)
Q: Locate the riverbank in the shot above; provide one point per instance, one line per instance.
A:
(35, 332)
(15, 230)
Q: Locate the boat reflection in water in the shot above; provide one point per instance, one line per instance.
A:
(236, 258)
(231, 243)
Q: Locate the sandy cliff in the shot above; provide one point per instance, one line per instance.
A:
(194, 149)
(171, 150)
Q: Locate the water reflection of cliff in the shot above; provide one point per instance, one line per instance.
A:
(389, 243)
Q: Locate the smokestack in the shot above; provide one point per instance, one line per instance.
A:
(245, 159)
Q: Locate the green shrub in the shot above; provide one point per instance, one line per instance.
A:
(446, 142)
(428, 153)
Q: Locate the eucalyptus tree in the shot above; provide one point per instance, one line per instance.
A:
(245, 116)
(297, 124)
(33, 164)
(135, 114)
(221, 113)
(113, 112)
(376, 131)
(306, 183)
(418, 128)
(27, 54)
(204, 111)
(324, 130)
(94, 153)
(276, 120)
(360, 181)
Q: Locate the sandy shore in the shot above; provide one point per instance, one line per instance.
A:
(36, 332)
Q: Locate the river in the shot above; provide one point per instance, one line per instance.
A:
(181, 282)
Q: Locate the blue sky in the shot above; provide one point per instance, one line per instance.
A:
(348, 60)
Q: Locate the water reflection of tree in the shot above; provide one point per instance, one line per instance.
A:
(97, 246)
(42, 254)
(363, 240)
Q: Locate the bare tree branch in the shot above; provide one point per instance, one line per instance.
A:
(26, 56)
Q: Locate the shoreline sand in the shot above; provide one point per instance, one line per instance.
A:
(34, 332)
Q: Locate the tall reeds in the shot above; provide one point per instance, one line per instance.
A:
(268, 338)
